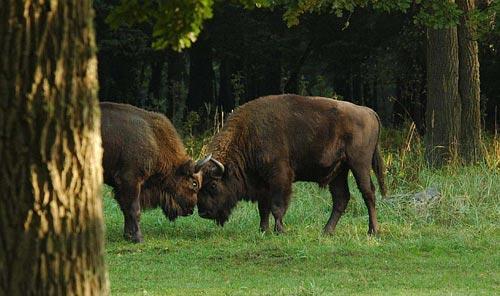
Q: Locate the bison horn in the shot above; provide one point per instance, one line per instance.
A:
(219, 165)
(201, 162)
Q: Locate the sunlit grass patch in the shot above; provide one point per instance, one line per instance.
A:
(447, 244)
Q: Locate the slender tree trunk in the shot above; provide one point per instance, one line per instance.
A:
(141, 93)
(351, 85)
(155, 83)
(292, 85)
(176, 69)
(201, 76)
(443, 101)
(51, 223)
(386, 92)
(420, 106)
(469, 87)
(251, 83)
(226, 92)
(361, 90)
(271, 84)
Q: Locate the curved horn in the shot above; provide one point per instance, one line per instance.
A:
(219, 165)
(201, 162)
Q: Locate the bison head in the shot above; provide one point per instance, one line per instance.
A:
(218, 195)
(183, 189)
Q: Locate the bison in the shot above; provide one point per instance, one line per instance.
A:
(271, 142)
(146, 164)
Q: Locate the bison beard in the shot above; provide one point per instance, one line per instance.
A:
(147, 165)
(152, 197)
(271, 142)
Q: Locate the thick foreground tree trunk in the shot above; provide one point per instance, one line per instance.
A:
(51, 224)
(469, 87)
(443, 102)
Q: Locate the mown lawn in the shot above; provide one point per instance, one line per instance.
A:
(446, 246)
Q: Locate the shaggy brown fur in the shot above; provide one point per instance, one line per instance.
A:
(271, 142)
(146, 163)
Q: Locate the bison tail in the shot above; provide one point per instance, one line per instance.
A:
(379, 169)
(378, 163)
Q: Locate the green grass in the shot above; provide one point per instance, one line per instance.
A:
(447, 247)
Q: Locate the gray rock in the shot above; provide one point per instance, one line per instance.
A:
(430, 194)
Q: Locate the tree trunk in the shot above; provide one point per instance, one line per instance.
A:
(251, 85)
(292, 85)
(51, 223)
(155, 83)
(469, 86)
(226, 92)
(141, 93)
(443, 102)
(201, 76)
(386, 92)
(271, 83)
(351, 85)
(176, 69)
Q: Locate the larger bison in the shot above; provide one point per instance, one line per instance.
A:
(271, 142)
(146, 163)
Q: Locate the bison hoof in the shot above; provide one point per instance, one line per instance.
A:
(135, 238)
(327, 232)
(279, 229)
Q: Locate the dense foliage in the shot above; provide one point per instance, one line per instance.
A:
(366, 55)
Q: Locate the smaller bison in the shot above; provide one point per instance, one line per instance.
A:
(271, 142)
(146, 164)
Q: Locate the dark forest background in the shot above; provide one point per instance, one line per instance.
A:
(367, 57)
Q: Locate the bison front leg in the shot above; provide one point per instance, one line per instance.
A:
(264, 211)
(279, 204)
(281, 189)
(131, 207)
(278, 213)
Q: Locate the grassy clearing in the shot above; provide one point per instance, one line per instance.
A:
(448, 245)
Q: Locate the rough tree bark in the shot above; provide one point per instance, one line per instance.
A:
(443, 102)
(51, 224)
(469, 86)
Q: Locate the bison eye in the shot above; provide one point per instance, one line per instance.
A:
(195, 185)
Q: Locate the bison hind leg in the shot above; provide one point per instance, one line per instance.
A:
(339, 190)
(264, 212)
(128, 194)
(361, 172)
